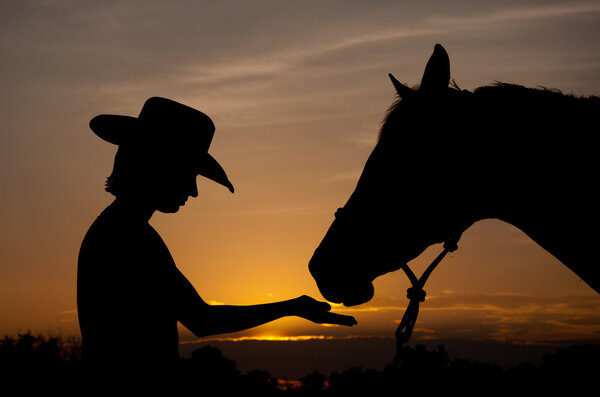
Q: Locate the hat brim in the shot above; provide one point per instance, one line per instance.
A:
(116, 129)
(210, 168)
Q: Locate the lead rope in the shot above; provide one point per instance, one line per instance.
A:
(416, 294)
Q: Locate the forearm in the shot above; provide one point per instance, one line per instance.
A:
(221, 319)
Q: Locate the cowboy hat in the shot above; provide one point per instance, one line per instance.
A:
(171, 125)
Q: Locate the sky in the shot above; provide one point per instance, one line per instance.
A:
(297, 91)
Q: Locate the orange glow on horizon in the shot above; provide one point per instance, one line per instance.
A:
(278, 338)
(297, 101)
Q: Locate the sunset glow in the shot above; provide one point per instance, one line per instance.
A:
(297, 91)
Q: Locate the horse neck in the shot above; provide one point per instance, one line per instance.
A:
(568, 231)
(545, 187)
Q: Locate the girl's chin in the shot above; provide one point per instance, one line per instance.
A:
(170, 209)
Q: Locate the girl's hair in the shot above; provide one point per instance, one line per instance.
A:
(132, 169)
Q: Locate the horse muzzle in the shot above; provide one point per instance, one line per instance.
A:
(340, 286)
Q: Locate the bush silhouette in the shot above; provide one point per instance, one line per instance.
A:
(314, 382)
(42, 364)
(259, 382)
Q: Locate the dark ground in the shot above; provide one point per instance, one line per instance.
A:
(47, 364)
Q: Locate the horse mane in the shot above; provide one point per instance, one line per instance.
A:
(541, 95)
(533, 99)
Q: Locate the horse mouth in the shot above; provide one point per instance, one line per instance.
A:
(354, 297)
(339, 286)
(346, 292)
(359, 295)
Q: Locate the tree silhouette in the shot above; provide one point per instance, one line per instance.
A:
(39, 364)
(260, 382)
(208, 369)
(36, 363)
(314, 382)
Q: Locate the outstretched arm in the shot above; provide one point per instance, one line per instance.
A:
(204, 319)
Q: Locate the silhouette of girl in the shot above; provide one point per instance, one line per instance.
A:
(130, 294)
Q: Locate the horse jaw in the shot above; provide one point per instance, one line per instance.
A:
(338, 285)
(343, 291)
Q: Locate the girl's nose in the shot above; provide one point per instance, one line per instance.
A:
(194, 190)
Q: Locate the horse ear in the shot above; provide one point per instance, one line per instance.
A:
(401, 89)
(437, 71)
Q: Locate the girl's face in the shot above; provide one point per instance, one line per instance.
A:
(174, 188)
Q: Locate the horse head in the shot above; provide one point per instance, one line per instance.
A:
(409, 194)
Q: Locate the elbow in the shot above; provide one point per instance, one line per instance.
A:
(199, 320)
(198, 328)
(200, 333)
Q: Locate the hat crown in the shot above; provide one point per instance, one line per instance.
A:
(175, 123)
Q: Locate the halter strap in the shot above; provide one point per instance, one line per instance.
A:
(416, 294)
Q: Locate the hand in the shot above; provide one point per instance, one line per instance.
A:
(319, 312)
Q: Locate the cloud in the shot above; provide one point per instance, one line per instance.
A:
(248, 65)
(284, 211)
(511, 14)
(509, 317)
(343, 176)
(518, 318)
(502, 317)
(291, 57)
(276, 338)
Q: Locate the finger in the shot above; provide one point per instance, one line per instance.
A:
(334, 318)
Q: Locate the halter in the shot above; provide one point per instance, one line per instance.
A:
(416, 294)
